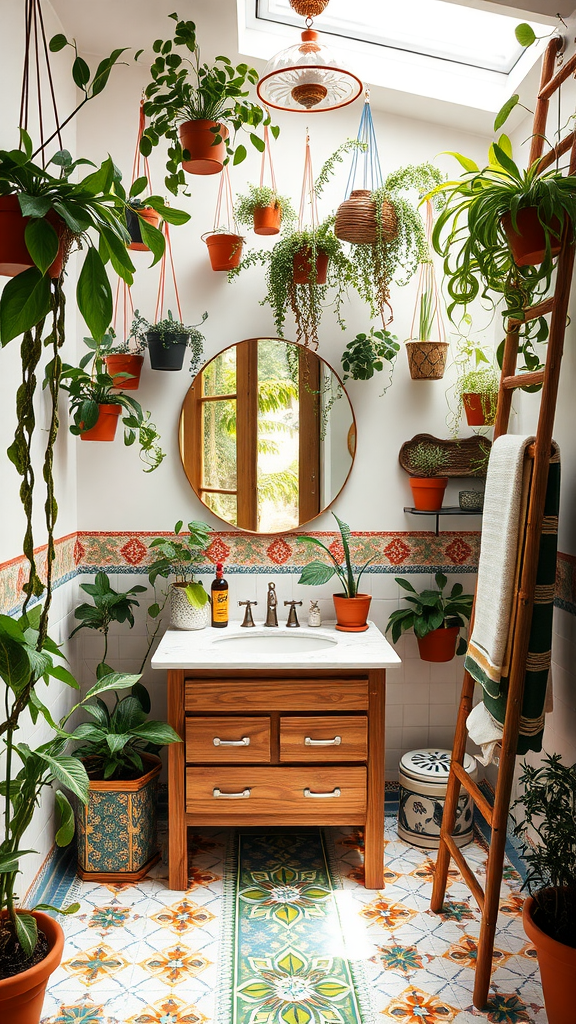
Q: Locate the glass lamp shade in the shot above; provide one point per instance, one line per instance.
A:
(307, 78)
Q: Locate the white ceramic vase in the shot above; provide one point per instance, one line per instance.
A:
(183, 615)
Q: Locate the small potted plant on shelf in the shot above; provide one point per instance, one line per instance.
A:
(548, 805)
(265, 209)
(366, 354)
(477, 392)
(96, 406)
(188, 600)
(351, 607)
(195, 105)
(167, 341)
(435, 619)
(427, 461)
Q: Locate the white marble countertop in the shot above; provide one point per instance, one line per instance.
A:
(221, 648)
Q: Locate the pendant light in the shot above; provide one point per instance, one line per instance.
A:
(307, 77)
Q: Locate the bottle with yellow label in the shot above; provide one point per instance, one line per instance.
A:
(219, 599)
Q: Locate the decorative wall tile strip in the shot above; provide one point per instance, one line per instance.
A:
(13, 573)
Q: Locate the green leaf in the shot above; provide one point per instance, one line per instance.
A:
(138, 186)
(65, 832)
(257, 142)
(157, 732)
(24, 302)
(465, 161)
(42, 243)
(33, 206)
(80, 72)
(61, 673)
(72, 909)
(196, 595)
(505, 111)
(94, 295)
(239, 155)
(404, 584)
(153, 238)
(316, 573)
(112, 681)
(70, 772)
(9, 861)
(525, 34)
(58, 42)
(15, 668)
(27, 932)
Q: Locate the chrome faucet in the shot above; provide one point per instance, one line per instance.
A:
(271, 602)
(292, 617)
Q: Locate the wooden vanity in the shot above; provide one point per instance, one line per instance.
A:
(278, 746)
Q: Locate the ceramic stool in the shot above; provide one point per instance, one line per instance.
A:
(423, 776)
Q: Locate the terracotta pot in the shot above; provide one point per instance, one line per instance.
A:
(22, 995)
(14, 255)
(225, 251)
(151, 217)
(557, 969)
(302, 263)
(198, 139)
(125, 363)
(352, 612)
(439, 645)
(474, 407)
(116, 830)
(166, 357)
(428, 492)
(267, 219)
(528, 244)
(105, 427)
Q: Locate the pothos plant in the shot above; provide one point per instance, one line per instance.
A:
(176, 557)
(366, 354)
(171, 332)
(183, 89)
(431, 609)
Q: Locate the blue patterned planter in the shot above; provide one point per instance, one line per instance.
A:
(116, 831)
(422, 777)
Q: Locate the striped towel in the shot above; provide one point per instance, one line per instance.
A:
(489, 650)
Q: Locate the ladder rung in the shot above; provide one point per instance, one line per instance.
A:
(557, 151)
(465, 870)
(533, 312)
(565, 71)
(522, 380)
(474, 791)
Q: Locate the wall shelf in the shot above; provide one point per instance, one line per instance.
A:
(447, 510)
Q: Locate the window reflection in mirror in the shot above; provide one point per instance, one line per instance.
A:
(267, 435)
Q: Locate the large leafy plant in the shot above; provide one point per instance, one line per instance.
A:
(547, 832)
(108, 606)
(366, 354)
(184, 89)
(318, 572)
(177, 556)
(431, 610)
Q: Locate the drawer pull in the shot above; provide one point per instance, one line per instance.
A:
(309, 742)
(322, 796)
(244, 742)
(219, 795)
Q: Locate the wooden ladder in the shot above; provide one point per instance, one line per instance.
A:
(497, 815)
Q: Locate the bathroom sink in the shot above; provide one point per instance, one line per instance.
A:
(275, 643)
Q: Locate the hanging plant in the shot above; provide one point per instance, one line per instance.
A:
(224, 241)
(265, 209)
(366, 354)
(477, 392)
(427, 347)
(167, 341)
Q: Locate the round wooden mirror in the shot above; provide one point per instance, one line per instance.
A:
(267, 435)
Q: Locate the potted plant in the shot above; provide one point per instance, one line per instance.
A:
(189, 601)
(224, 248)
(194, 106)
(167, 341)
(366, 354)
(547, 831)
(477, 392)
(426, 357)
(136, 213)
(123, 361)
(96, 406)
(435, 619)
(351, 607)
(428, 460)
(265, 209)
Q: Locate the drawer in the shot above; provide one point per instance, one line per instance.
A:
(229, 739)
(333, 738)
(245, 695)
(281, 796)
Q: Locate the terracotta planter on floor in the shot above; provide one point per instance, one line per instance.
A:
(267, 219)
(198, 139)
(22, 995)
(152, 217)
(351, 612)
(479, 412)
(302, 263)
(439, 645)
(528, 244)
(14, 255)
(557, 969)
(125, 363)
(428, 492)
(105, 427)
(225, 251)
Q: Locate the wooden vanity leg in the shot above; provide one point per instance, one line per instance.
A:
(177, 846)
(374, 831)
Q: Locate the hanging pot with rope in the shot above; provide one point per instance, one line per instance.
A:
(205, 154)
(133, 216)
(224, 246)
(427, 354)
(14, 255)
(357, 219)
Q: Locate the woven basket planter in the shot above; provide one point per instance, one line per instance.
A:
(309, 8)
(356, 219)
(427, 359)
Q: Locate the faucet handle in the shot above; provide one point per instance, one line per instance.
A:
(292, 616)
(248, 620)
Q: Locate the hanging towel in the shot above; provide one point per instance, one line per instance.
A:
(487, 658)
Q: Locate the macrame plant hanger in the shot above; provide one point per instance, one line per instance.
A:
(365, 158)
(267, 219)
(428, 347)
(224, 241)
(140, 164)
(36, 53)
(167, 256)
(310, 263)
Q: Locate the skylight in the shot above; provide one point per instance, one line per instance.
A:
(475, 37)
